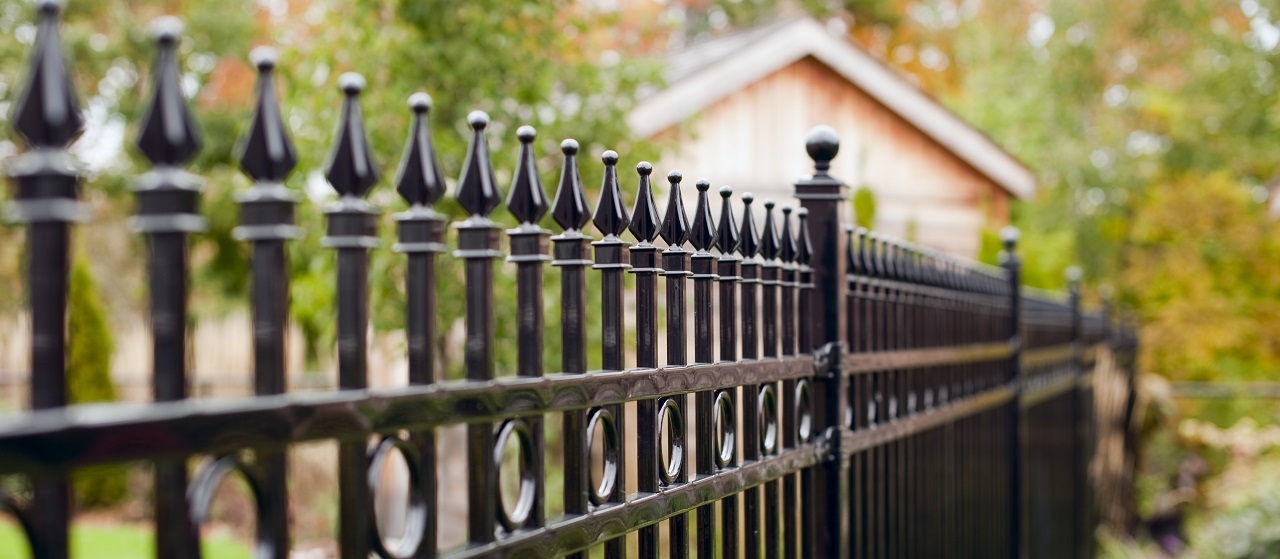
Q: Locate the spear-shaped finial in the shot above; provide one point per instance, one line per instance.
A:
(851, 250)
(879, 247)
(420, 180)
(527, 201)
(788, 239)
(169, 135)
(48, 113)
(804, 245)
(351, 168)
(267, 154)
(644, 215)
(477, 189)
(749, 243)
(703, 233)
(727, 229)
(864, 251)
(570, 207)
(611, 215)
(770, 245)
(675, 224)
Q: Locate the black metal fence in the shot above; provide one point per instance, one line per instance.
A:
(852, 395)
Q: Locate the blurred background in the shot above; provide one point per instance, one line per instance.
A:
(1136, 139)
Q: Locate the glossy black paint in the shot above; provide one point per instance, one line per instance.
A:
(893, 401)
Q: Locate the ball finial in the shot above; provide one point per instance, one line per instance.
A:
(420, 102)
(786, 210)
(748, 198)
(569, 146)
(478, 120)
(674, 177)
(702, 185)
(609, 157)
(264, 57)
(726, 191)
(823, 144)
(1074, 274)
(802, 212)
(769, 203)
(526, 134)
(644, 168)
(1010, 235)
(351, 83)
(166, 29)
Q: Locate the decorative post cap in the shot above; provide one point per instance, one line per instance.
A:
(570, 207)
(1074, 274)
(420, 181)
(611, 216)
(48, 112)
(823, 144)
(727, 230)
(1010, 236)
(477, 189)
(267, 153)
(644, 215)
(675, 224)
(351, 168)
(526, 200)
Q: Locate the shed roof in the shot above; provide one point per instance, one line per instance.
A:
(706, 72)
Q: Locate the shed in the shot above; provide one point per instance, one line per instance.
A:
(737, 108)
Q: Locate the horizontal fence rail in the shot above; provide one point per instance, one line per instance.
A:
(848, 394)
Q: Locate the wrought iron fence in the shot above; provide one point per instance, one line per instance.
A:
(852, 394)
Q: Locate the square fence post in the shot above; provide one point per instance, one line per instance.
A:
(824, 197)
(1013, 274)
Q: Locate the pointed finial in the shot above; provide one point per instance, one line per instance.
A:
(644, 215)
(804, 245)
(570, 207)
(727, 230)
(420, 181)
(169, 136)
(703, 233)
(878, 249)
(749, 238)
(789, 249)
(526, 200)
(770, 245)
(351, 168)
(611, 215)
(823, 144)
(267, 154)
(477, 189)
(48, 112)
(675, 224)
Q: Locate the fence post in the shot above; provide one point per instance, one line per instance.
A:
(824, 197)
(1080, 493)
(1013, 274)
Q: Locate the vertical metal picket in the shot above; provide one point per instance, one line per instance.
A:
(726, 451)
(1013, 290)
(675, 267)
(168, 210)
(644, 264)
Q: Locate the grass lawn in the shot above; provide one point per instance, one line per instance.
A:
(120, 541)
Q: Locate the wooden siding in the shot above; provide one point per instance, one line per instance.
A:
(753, 140)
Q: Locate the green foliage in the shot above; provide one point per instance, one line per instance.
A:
(89, 349)
(864, 207)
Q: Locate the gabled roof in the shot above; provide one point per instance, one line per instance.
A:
(707, 72)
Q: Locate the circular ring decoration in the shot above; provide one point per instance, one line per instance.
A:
(416, 521)
(767, 412)
(669, 416)
(13, 507)
(804, 412)
(205, 485)
(524, 503)
(725, 423)
(604, 418)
